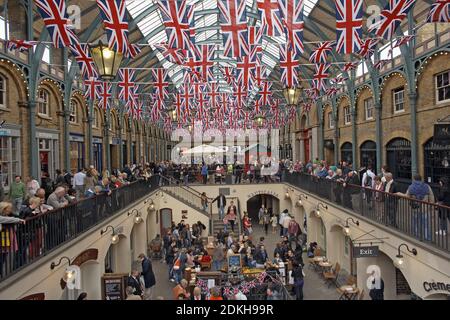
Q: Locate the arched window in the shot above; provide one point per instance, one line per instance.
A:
(346, 152)
(43, 103)
(436, 161)
(398, 152)
(2, 91)
(368, 154)
(73, 117)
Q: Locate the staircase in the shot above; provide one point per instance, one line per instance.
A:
(218, 223)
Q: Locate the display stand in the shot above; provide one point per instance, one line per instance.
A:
(113, 286)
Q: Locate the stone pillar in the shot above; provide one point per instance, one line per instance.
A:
(314, 143)
(354, 140)
(378, 133)
(414, 144)
(33, 140)
(89, 132)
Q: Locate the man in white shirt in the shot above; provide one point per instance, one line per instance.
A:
(78, 182)
(368, 181)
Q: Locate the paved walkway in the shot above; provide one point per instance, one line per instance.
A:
(314, 288)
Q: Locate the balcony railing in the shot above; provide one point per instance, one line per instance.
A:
(417, 219)
(22, 245)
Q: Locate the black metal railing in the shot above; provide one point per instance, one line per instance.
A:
(23, 244)
(421, 220)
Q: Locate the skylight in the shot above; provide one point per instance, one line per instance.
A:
(309, 6)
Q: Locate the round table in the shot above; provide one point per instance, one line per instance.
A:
(348, 292)
(325, 264)
(318, 259)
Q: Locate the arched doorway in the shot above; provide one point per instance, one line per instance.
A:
(436, 161)
(341, 249)
(398, 155)
(317, 231)
(165, 220)
(254, 204)
(368, 154)
(116, 260)
(346, 152)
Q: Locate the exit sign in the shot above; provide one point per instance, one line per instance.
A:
(363, 252)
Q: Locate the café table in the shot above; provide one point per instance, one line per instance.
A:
(325, 265)
(348, 292)
(316, 261)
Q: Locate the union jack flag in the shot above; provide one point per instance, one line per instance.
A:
(270, 16)
(92, 86)
(233, 23)
(368, 47)
(292, 113)
(84, 60)
(105, 96)
(244, 67)
(292, 13)
(241, 95)
(307, 107)
(340, 79)
(312, 93)
(403, 40)
(176, 16)
(320, 76)
(158, 103)
(349, 66)
(229, 75)
(205, 61)
(137, 111)
(186, 99)
(331, 92)
(55, 17)
(266, 93)
(126, 84)
(255, 34)
(380, 64)
(21, 45)
(320, 55)
(259, 75)
(114, 17)
(177, 56)
(160, 84)
(391, 17)
(348, 25)
(289, 66)
(133, 50)
(439, 11)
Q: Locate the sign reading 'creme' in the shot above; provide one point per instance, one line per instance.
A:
(364, 252)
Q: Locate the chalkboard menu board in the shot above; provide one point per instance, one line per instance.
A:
(113, 286)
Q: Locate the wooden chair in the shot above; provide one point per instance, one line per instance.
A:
(332, 276)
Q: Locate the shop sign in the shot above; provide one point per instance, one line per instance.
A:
(97, 140)
(441, 133)
(5, 133)
(268, 192)
(436, 286)
(76, 138)
(365, 252)
(116, 140)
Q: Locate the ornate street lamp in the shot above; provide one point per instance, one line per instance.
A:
(292, 95)
(106, 60)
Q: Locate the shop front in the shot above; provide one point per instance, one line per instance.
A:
(368, 154)
(77, 152)
(48, 152)
(10, 155)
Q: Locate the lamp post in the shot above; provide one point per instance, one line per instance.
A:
(106, 60)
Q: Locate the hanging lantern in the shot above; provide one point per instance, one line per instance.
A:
(259, 120)
(106, 60)
(292, 95)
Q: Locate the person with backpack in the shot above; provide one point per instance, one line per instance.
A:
(368, 182)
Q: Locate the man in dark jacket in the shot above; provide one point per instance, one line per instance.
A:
(221, 203)
(351, 190)
(133, 281)
(149, 276)
(391, 202)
